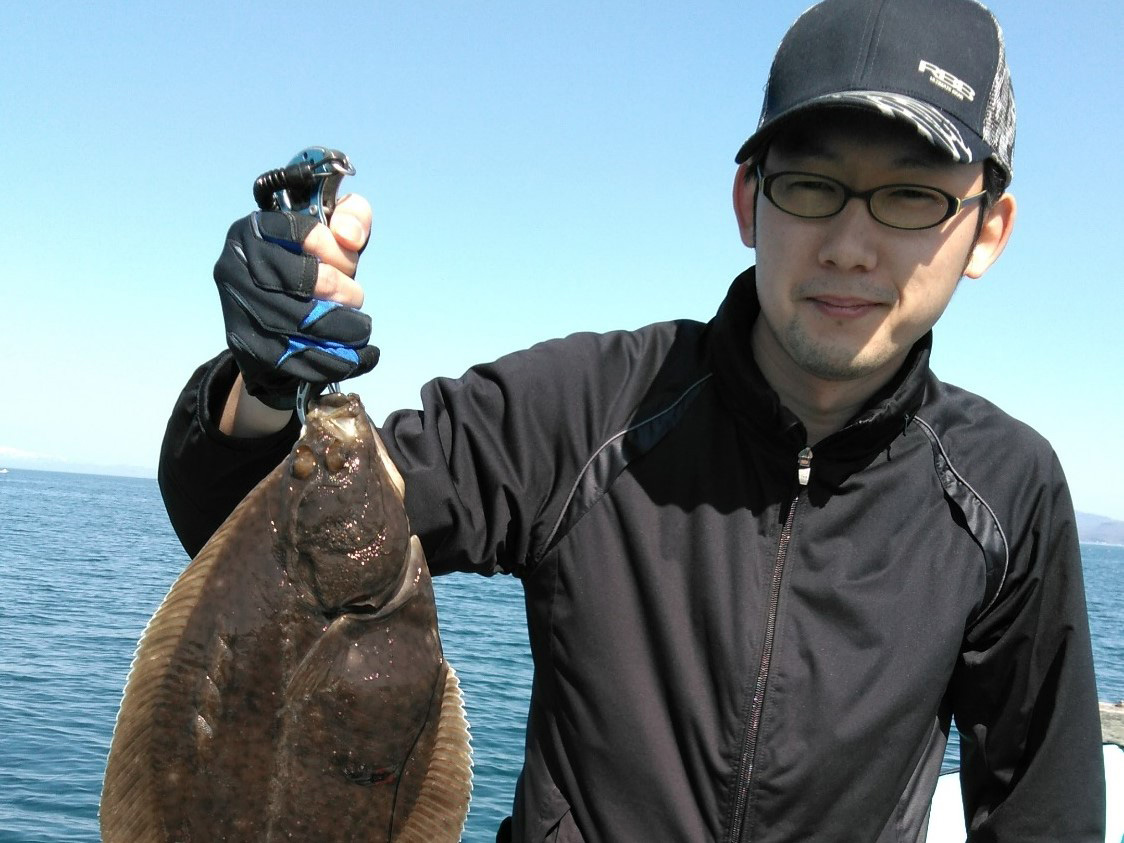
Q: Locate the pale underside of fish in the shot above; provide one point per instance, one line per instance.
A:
(292, 686)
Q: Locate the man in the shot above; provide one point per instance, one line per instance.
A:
(766, 559)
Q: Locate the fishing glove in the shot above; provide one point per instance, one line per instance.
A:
(280, 335)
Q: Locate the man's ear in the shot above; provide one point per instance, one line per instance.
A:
(994, 234)
(745, 198)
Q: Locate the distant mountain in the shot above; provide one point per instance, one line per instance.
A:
(12, 459)
(1096, 529)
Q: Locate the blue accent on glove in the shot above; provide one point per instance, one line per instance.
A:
(296, 345)
(320, 309)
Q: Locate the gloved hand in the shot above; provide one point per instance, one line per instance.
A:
(278, 333)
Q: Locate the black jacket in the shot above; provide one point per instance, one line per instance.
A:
(722, 651)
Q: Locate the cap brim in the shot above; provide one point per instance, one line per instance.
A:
(944, 132)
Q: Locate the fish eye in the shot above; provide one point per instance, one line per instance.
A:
(304, 462)
(335, 455)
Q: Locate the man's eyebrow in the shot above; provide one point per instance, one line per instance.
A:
(921, 160)
(807, 146)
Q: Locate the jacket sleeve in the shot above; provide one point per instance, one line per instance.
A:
(1024, 694)
(490, 458)
(203, 473)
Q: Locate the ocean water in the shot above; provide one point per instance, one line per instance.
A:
(85, 560)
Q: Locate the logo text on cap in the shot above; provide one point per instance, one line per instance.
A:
(946, 81)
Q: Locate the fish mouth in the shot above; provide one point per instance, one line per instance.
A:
(340, 416)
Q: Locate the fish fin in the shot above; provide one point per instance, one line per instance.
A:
(388, 464)
(129, 811)
(438, 815)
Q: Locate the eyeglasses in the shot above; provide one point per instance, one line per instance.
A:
(907, 206)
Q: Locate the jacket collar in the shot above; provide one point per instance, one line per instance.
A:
(746, 392)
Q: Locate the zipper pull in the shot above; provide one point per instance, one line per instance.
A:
(804, 466)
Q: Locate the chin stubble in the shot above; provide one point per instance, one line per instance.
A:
(823, 360)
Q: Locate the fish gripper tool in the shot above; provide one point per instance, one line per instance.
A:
(308, 184)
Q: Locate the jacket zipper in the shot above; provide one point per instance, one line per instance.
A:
(757, 705)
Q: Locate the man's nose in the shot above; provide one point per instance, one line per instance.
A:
(850, 238)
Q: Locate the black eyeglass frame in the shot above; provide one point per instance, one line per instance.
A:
(954, 203)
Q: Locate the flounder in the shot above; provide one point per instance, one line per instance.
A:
(292, 685)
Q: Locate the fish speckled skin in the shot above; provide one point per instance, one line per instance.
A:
(292, 686)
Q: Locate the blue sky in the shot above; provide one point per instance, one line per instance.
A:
(535, 169)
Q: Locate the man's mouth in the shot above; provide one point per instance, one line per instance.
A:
(843, 307)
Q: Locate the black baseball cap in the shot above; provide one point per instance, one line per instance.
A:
(938, 64)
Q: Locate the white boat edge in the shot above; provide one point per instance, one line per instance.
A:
(946, 816)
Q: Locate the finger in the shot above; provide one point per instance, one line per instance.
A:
(339, 244)
(322, 245)
(340, 287)
(351, 222)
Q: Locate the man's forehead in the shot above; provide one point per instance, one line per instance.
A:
(828, 133)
